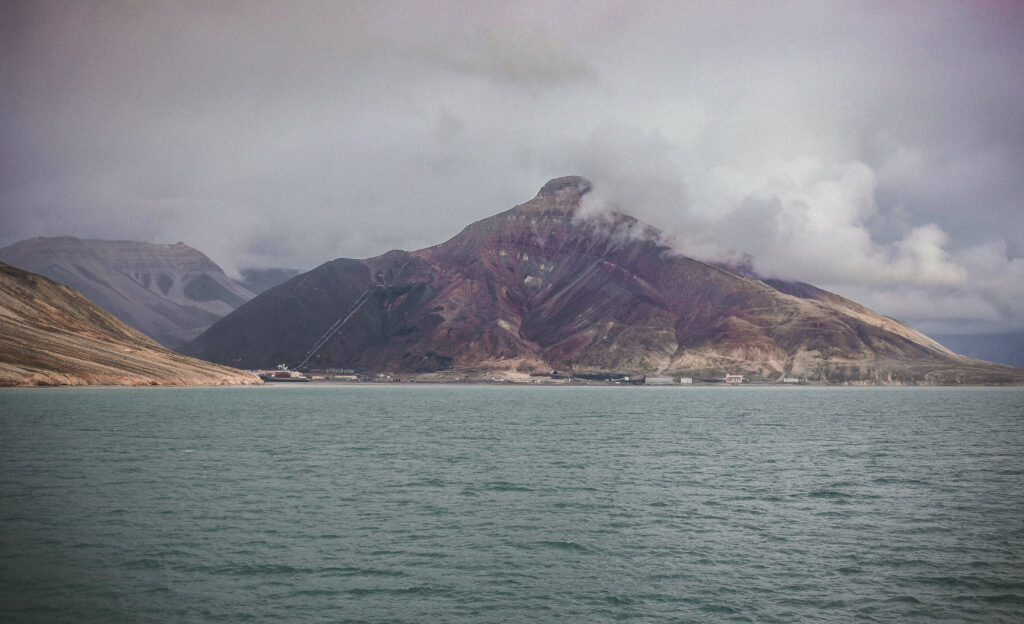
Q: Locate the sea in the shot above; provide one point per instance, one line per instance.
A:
(407, 503)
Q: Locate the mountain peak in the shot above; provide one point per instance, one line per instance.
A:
(560, 196)
(568, 185)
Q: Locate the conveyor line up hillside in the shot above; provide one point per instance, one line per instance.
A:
(334, 329)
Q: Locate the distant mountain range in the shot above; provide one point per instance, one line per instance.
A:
(259, 280)
(542, 287)
(169, 292)
(52, 335)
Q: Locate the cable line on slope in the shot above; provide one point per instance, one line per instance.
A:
(334, 328)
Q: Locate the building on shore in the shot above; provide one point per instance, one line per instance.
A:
(659, 381)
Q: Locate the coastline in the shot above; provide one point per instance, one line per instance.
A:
(507, 384)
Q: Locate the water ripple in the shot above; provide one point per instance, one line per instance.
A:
(492, 504)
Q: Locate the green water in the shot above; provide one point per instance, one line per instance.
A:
(508, 504)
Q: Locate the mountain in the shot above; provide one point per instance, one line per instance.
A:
(168, 292)
(543, 286)
(259, 280)
(51, 335)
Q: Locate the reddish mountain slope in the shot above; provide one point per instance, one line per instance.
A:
(540, 287)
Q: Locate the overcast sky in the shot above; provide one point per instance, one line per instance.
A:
(875, 149)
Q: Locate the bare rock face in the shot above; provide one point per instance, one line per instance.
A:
(542, 287)
(51, 335)
(169, 292)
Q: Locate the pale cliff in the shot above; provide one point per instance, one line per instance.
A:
(51, 335)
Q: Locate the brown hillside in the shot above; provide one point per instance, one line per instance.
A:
(52, 335)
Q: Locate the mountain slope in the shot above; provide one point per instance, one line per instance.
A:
(542, 287)
(168, 292)
(52, 335)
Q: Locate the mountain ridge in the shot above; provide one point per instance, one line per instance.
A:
(170, 292)
(542, 286)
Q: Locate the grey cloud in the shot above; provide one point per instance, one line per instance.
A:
(874, 149)
(633, 170)
(526, 55)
